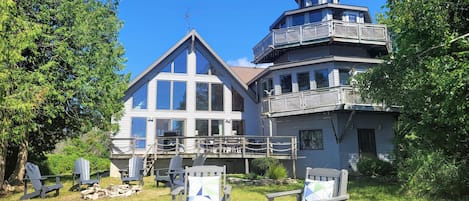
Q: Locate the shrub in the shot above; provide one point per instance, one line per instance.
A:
(432, 174)
(63, 163)
(372, 166)
(277, 171)
(261, 165)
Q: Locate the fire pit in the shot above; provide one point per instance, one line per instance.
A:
(96, 192)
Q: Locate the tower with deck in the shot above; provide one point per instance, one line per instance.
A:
(308, 92)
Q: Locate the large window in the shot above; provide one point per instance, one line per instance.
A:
(303, 81)
(205, 127)
(237, 101)
(139, 131)
(344, 76)
(171, 95)
(285, 83)
(322, 78)
(238, 127)
(298, 19)
(315, 16)
(311, 140)
(202, 65)
(139, 99)
(267, 87)
(209, 99)
(166, 127)
(180, 63)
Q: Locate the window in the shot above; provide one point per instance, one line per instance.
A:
(267, 87)
(169, 126)
(315, 16)
(179, 96)
(180, 63)
(344, 76)
(352, 17)
(322, 78)
(217, 97)
(238, 127)
(163, 95)
(303, 81)
(201, 126)
(202, 65)
(282, 24)
(285, 83)
(170, 95)
(366, 142)
(237, 101)
(139, 99)
(139, 131)
(298, 19)
(167, 69)
(216, 127)
(311, 140)
(201, 96)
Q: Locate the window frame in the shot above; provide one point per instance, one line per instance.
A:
(138, 138)
(211, 98)
(283, 88)
(307, 84)
(304, 146)
(172, 99)
(144, 91)
(326, 76)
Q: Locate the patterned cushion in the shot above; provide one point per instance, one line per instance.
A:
(204, 188)
(317, 190)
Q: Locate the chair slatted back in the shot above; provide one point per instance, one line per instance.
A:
(82, 167)
(34, 174)
(175, 163)
(199, 160)
(135, 165)
(203, 171)
(324, 174)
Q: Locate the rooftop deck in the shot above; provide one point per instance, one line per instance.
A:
(339, 31)
(318, 100)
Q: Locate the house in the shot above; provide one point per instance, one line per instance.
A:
(302, 109)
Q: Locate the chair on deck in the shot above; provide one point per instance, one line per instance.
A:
(204, 183)
(33, 174)
(81, 173)
(320, 184)
(199, 160)
(134, 172)
(163, 174)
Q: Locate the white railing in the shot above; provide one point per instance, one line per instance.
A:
(312, 99)
(309, 33)
(235, 146)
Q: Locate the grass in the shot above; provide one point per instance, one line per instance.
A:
(360, 189)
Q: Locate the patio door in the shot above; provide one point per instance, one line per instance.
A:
(366, 142)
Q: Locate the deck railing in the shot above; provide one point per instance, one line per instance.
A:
(311, 33)
(312, 99)
(215, 146)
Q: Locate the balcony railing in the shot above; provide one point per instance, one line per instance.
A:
(316, 100)
(317, 32)
(212, 146)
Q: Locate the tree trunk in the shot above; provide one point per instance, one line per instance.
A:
(16, 178)
(3, 164)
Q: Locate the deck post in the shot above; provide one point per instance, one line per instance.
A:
(294, 168)
(268, 146)
(243, 151)
(246, 165)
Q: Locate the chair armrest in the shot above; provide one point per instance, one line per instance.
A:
(157, 171)
(271, 196)
(178, 190)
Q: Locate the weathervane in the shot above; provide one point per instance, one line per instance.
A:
(187, 16)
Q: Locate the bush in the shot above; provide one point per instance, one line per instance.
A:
(261, 165)
(372, 166)
(277, 171)
(432, 174)
(64, 163)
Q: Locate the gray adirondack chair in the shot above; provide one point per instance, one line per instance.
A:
(33, 174)
(134, 172)
(339, 192)
(199, 160)
(164, 175)
(81, 174)
(202, 175)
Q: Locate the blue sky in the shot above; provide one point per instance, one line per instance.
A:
(230, 27)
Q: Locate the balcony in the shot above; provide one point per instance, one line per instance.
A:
(339, 31)
(319, 100)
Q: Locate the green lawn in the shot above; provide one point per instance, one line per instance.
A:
(359, 190)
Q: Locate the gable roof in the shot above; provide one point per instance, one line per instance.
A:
(191, 37)
(246, 74)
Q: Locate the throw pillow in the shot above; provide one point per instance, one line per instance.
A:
(317, 190)
(204, 188)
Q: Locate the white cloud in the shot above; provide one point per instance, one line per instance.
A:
(244, 62)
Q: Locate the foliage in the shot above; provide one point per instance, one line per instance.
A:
(372, 166)
(428, 75)
(276, 171)
(261, 165)
(432, 174)
(64, 163)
